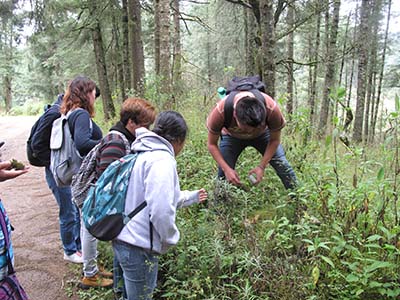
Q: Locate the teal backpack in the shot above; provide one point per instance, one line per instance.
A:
(103, 210)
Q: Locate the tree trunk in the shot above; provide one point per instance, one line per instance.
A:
(268, 45)
(125, 44)
(290, 54)
(165, 69)
(330, 69)
(374, 25)
(315, 57)
(209, 56)
(7, 93)
(108, 106)
(119, 69)
(136, 46)
(382, 67)
(344, 50)
(251, 28)
(349, 86)
(362, 45)
(157, 36)
(177, 50)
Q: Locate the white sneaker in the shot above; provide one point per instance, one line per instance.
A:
(74, 258)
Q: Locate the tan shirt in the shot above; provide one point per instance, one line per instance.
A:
(274, 120)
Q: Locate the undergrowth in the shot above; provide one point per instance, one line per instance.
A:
(335, 237)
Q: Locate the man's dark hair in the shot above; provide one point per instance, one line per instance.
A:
(250, 111)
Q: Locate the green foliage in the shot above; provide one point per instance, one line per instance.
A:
(335, 237)
(29, 108)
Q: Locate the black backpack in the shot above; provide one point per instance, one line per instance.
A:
(239, 84)
(40, 157)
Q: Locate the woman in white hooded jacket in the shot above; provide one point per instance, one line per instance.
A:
(154, 179)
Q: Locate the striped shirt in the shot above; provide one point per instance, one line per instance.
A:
(112, 148)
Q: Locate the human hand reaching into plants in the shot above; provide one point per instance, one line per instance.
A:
(257, 175)
(202, 195)
(232, 176)
(11, 169)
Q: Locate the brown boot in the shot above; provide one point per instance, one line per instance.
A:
(104, 273)
(95, 282)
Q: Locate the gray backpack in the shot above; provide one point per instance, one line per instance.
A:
(65, 159)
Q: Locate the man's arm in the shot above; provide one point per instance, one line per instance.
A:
(230, 174)
(274, 141)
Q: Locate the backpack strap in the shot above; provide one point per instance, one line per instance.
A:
(3, 226)
(228, 106)
(71, 129)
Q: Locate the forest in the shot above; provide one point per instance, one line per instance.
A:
(333, 68)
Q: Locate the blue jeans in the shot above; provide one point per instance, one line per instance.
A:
(69, 218)
(118, 279)
(231, 148)
(140, 270)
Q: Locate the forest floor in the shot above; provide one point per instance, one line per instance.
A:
(34, 214)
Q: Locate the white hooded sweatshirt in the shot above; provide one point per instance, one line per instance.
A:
(154, 179)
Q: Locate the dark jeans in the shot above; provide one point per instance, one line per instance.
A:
(69, 218)
(231, 148)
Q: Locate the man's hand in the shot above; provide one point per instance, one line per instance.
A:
(232, 176)
(259, 173)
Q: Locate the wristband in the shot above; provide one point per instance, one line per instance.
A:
(261, 167)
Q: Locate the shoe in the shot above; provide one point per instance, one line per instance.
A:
(104, 273)
(74, 258)
(95, 282)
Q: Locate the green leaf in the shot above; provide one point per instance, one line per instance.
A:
(323, 245)
(374, 284)
(378, 265)
(269, 234)
(393, 293)
(315, 275)
(328, 261)
(341, 92)
(394, 115)
(328, 140)
(359, 292)
(397, 103)
(374, 238)
(381, 174)
(351, 278)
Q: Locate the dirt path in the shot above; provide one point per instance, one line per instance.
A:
(34, 214)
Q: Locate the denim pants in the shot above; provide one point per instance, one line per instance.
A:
(89, 252)
(118, 279)
(69, 218)
(232, 147)
(140, 270)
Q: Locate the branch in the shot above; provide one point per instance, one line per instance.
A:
(239, 2)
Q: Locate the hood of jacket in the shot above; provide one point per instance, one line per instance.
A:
(147, 140)
(119, 126)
